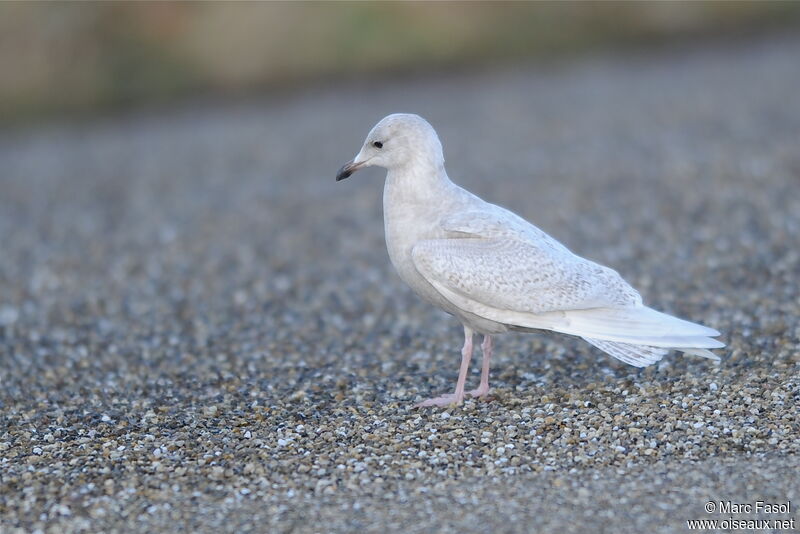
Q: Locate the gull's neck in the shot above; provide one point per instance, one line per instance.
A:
(419, 182)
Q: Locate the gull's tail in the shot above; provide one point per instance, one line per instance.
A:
(637, 335)
(641, 336)
(643, 355)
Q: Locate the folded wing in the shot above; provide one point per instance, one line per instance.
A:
(509, 274)
(517, 277)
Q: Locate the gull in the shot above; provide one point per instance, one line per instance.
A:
(495, 271)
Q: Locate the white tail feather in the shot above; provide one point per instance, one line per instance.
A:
(642, 355)
(636, 355)
(703, 353)
(633, 322)
(672, 342)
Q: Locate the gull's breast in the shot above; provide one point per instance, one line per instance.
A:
(405, 225)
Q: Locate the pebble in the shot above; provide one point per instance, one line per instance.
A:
(8, 315)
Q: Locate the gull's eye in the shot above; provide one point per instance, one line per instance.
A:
(377, 144)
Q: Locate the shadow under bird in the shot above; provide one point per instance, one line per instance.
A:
(495, 271)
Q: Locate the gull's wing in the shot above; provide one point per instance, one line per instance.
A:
(500, 267)
(503, 260)
(509, 274)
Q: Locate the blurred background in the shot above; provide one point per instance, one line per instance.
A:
(60, 59)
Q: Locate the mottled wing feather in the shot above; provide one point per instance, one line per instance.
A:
(495, 221)
(512, 273)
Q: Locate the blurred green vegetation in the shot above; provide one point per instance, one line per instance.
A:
(58, 58)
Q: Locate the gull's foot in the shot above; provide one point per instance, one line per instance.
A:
(445, 400)
(479, 392)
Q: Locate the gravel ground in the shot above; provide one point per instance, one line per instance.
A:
(200, 330)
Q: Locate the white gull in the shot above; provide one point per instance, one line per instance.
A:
(495, 271)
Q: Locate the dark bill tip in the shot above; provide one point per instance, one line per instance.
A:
(346, 170)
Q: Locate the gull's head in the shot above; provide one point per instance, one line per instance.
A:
(396, 141)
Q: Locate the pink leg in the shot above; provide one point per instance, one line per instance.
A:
(458, 396)
(486, 347)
